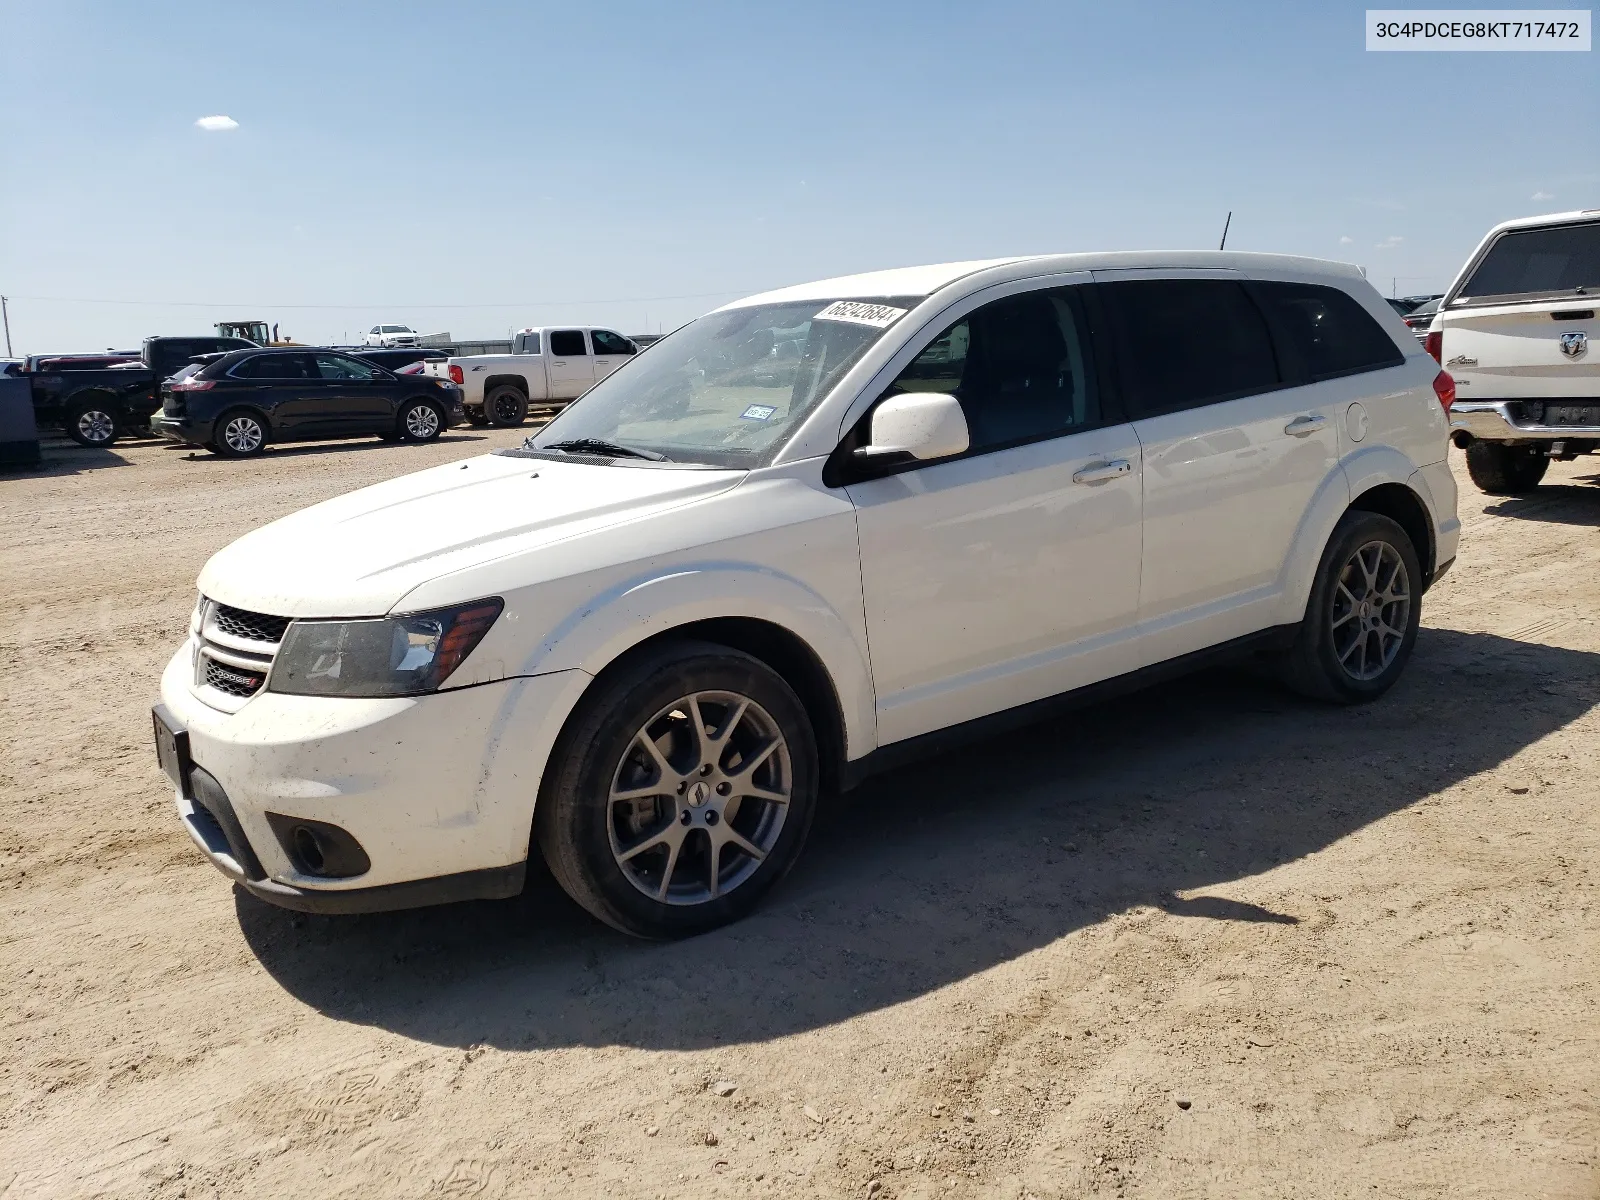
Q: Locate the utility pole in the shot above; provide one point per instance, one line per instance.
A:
(1223, 245)
(5, 312)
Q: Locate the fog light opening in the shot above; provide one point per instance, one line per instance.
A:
(308, 849)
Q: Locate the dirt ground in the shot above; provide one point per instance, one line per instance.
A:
(1210, 940)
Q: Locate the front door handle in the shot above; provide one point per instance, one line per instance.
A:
(1097, 472)
(1301, 426)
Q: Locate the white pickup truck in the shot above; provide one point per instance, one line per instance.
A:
(547, 365)
(1517, 330)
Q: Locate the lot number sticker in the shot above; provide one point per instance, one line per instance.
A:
(759, 412)
(879, 316)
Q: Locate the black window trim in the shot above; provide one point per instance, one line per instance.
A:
(1290, 368)
(232, 371)
(843, 468)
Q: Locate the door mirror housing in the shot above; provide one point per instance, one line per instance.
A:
(922, 425)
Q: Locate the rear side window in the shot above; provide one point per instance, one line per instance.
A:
(606, 342)
(276, 366)
(1184, 343)
(566, 343)
(525, 343)
(1325, 331)
(1537, 262)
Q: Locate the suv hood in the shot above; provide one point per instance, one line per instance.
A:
(358, 555)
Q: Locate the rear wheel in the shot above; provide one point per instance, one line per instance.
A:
(1361, 620)
(239, 433)
(93, 423)
(680, 792)
(506, 405)
(1503, 470)
(419, 421)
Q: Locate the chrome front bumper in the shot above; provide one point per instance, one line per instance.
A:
(1493, 421)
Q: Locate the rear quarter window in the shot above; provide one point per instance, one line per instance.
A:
(1324, 332)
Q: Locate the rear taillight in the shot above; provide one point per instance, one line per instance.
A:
(457, 375)
(1444, 387)
(193, 385)
(1434, 345)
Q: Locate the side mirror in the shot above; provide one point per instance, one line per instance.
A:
(924, 425)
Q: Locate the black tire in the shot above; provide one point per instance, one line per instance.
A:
(475, 416)
(1327, 661)
(580, 828)
(94, 422)
(505, 405)
(419, 421)
(1502, 470)
(232, 435)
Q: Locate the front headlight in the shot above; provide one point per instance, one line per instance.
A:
(387, 656)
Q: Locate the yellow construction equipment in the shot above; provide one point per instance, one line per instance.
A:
(253, 331)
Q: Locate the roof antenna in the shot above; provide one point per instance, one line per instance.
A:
(1223, 245)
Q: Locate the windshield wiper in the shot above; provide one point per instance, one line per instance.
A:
(600, 446)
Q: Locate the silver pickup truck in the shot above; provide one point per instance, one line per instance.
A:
(1517, 330)
(547, 365)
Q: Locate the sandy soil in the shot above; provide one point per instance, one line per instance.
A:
(1207, 941)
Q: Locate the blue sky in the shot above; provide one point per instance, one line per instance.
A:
(475, 167)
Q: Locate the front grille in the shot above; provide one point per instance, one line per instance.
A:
(255, 627)
(235, 650)
(230, 680)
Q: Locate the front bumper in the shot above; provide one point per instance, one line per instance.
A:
(438, 790)
(1504, 421)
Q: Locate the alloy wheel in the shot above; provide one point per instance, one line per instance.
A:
(96, 426)
(506, 408)
(243, 435)
(1371, 610)
(699, 798)
(422, 422)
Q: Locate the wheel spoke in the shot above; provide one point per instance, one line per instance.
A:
(662, 837)
(713, 879)
(1351, 648)
(1349, 616)
(751, 792)
(645, 792)
(654, 751)
(673, 848)
(748, 767)
(733, 837)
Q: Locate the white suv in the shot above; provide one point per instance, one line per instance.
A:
(803, 537)
(391, 336)
(1515, 329)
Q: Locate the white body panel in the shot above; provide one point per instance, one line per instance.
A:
(947, 592)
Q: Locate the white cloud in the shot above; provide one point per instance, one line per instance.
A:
(1345, 241)
(217, 124)
(1541, 195)
(1390, 242)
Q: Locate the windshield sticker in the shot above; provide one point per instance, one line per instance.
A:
(879, 316)
(758, 412)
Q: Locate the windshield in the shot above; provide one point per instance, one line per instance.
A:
(730, 388)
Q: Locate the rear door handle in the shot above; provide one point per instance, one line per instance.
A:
(1301, 426)
(1097, 472)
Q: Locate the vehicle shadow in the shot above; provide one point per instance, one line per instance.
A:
(62, 456)
(1558, 503)
(939, 871)
(330, 446)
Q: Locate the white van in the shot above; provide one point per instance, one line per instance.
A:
(806, 536)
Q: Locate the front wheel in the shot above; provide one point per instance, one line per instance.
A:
(419, 421)
(506, 405)
(1361, 620)
(680, 792)
(1502, 470)
(93, 424)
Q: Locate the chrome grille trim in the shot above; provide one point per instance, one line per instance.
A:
(234, 649)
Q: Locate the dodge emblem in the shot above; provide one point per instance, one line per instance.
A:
(1574, 344)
